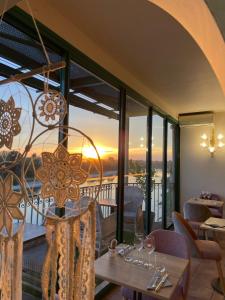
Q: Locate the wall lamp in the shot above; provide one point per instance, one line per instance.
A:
(212, 143)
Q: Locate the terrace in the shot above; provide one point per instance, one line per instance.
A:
(145, 81)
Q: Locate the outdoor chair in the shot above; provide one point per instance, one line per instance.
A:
(199, 248)
(196, 215)
(105, 230)
(166, 242)
(133, 200)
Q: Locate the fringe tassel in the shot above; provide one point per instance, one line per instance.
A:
(69, 264)
(11, 257)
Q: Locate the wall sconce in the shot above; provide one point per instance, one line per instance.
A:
(212, 142)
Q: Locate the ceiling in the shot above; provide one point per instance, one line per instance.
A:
(151, 45)
(217, 8)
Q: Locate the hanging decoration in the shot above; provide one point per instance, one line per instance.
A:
(70, 219)
(50, 166)
(11, 237)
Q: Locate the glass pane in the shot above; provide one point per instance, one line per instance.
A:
(170, 190)
(94, 109)
(157, 170)
(135, 169)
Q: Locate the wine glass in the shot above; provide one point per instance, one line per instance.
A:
(149, 244)
(138, 244)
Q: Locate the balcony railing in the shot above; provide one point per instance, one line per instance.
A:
(108, 191)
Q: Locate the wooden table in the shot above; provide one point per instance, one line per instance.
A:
(206, 202)
(214, 221)
(119, 272)
(221, 228)
(107, 202)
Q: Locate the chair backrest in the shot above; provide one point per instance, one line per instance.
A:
(133, 198)
(181, 226)
(167, 242)
(196, 212)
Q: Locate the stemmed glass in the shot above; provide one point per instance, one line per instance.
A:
(138, 243)
(149, 244)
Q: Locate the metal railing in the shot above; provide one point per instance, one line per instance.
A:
(107, 191)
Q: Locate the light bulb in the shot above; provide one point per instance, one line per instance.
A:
(204, 136)
(220, 144)
(142, 145)
(220, 136)
(141, 138)
(211, 149)
(203, 144)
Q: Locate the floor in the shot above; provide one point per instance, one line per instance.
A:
(202, 273)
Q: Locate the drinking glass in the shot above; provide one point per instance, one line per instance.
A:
(149, 245)
(160, 263)
(138, 244)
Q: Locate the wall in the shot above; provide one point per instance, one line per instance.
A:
(198, 170)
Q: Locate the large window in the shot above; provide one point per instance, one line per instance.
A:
(94, 109)
(135, 188)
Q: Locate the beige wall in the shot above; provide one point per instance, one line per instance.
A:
(198, 170)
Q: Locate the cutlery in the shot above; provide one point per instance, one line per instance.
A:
(162, 281)
(154, 281)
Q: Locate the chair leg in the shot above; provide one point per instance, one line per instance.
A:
(221, 276)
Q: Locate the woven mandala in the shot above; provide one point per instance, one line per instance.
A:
(16, 123)
(50, 108)
(9, 122)
(61, 174)
(9, 203)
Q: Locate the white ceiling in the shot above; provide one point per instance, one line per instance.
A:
(150, 44)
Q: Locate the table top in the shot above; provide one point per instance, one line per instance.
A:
(107, 202)
(206, 202)
(117, 271)
(215, 222)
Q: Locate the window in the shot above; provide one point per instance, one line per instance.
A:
(94, 109)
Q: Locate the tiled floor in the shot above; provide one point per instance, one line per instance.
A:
(202, 273)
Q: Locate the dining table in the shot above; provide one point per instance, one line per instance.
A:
(120, 272)
(214, 225)
(206, 202)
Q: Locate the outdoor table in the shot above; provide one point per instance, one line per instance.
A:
(116, 270)
(107, 202)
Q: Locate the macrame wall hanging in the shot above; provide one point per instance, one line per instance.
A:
(42, 158)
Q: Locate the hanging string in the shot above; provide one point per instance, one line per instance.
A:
(38, 32)
(3, 11)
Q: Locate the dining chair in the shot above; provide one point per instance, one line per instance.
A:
(196, 215)
(166, 242)
(199, 248)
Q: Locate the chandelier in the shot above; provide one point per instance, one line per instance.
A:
(212, 143)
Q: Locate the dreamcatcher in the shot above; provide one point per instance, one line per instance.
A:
(37, 165)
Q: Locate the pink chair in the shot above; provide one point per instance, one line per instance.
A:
(199, 248)
(166, 242)
(196, 215)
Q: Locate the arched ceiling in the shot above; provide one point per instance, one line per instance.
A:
(149, 44)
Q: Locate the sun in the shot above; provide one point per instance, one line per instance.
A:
(89, 151)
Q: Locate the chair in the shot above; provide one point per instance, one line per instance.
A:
(133, 200)
(196, 214)
(199, 248)
(216, 212)
(166, 242)
(105, 230)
